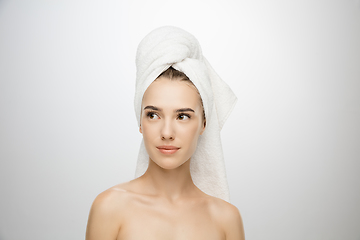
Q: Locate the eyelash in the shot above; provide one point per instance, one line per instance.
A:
(183, 114)
(151, 113)
(148, 114)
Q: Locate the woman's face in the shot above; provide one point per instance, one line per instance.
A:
(171, 121)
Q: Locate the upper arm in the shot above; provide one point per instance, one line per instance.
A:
(233, 224)
(103, 222)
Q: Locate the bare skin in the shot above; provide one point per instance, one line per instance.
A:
(164, 203)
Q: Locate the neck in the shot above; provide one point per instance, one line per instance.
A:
(171, 184)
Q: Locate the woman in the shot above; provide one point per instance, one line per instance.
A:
(181, 105)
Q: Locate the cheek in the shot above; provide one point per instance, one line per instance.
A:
(190, 134)
(149, 138)
(148, 131)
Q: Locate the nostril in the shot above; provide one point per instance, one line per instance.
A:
(164, 138)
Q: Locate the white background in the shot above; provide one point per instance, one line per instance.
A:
(68, 129)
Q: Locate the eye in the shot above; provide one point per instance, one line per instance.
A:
(183, 116)
(152, 115)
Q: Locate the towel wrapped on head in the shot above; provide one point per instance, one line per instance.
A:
(172, 46)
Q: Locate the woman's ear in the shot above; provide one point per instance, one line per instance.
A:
(204, 125)
(140, 130)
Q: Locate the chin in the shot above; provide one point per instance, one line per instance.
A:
(169, 163)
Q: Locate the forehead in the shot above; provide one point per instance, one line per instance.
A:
(171, 94)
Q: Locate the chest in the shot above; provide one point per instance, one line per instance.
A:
(166, 223)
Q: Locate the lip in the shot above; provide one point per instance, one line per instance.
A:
(167, 149)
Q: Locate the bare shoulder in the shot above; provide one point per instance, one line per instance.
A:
(107, 213)
(111, 199)
(225, 210)
(229, 218)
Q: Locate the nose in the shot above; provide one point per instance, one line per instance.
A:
(167, 131)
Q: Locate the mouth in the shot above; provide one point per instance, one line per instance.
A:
(168, 149)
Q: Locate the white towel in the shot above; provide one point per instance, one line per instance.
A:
(172, 46)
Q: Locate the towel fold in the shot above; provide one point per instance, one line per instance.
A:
(172, 46)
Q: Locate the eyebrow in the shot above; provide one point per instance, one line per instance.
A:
(185, 110)
(178, 110)
(152, 108)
